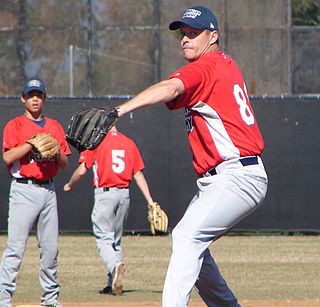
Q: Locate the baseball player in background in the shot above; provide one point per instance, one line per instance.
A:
(226, 144)
(32, 194)
(114, 162)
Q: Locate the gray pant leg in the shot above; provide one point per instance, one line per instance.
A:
(121, 217)
(108, 217)
(48, 243)
(23, 212)
(10, 265)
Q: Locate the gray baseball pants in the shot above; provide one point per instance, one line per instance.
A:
(27, 204)
(109, 214)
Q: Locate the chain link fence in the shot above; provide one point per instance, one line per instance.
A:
(118, 47)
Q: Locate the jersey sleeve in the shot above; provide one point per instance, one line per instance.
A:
(192, 77)
(10, 136)
(87, 156)
(64, 148)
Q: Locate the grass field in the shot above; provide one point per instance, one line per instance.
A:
(256, 267)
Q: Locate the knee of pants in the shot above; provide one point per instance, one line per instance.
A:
(187, 239)
(49, 252)
(16, 248)
(180, 235)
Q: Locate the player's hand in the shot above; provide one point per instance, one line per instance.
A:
(67, 187)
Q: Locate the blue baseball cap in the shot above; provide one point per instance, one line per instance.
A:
(34, 84)
(196, 17)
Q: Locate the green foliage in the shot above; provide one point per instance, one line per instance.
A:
(306, 12)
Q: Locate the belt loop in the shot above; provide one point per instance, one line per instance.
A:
(249, 161)
(210, 172)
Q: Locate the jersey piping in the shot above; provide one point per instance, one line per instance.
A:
(220, 136)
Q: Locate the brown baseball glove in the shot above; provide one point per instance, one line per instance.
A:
(158, 219)
(44, 144)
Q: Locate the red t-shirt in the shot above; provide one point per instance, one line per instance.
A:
(219, 118)
(17, 131)
(114, 161)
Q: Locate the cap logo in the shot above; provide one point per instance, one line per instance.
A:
(191, 13)
(35, 83)
(211, 25)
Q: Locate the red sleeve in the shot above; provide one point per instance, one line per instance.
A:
(64, 148)
(10, 136)
(87, 156)
(192, 77)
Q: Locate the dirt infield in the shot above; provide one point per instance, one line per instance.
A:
(244, 303)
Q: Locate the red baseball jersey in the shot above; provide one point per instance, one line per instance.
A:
(17, 131)
(114, 161)
(219, 118)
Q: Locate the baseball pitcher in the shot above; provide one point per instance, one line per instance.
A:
(226, 144)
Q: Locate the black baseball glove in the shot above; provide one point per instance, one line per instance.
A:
(88, 127)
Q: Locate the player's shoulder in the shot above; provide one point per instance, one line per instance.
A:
(19, 118)
(16, 121)
(204, 63)
(52, 121)
(190, 70)
(216, 58)
(124, 136)
(126, 139)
